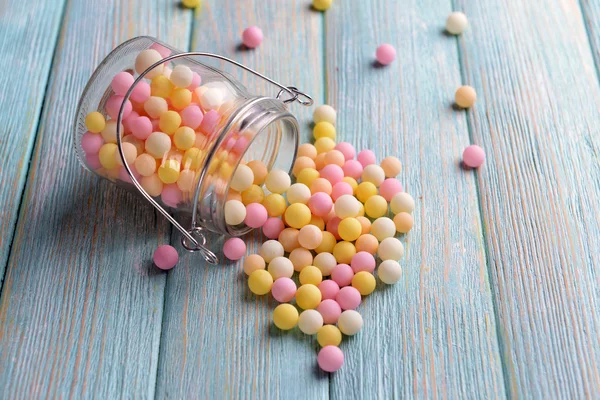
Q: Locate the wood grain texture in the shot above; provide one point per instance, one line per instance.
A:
(218, 339)
(81, 309)
(28, 36)
(432, 335)
(537, 117)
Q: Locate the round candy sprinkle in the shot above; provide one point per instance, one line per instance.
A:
(270, 250)
(402, 202)
(389, 188)
(330, 310)
(353, 169)
(364, 282)
(320, 204)
(342, 274)
(324, 113)
(260, 171)
(321, 5)
(390, 249)
(256, 215)
(389, 271)
(456, 23)
(382, 228)
(235, 211)
(403, 222)
(281, 267)
(165, 257)
(285, 316)
(349, 229)
(252, 263)
(350, 322)
(348, 298)
(391, 166)
(326, 262)
(234, 248)
(368, 243)
(273, 227)
(376, 206)
(329, 289)
(300, 258)
(260, 282)
(298, 193)
(385, 54)
(242, 179)
(274, 204)
(324, 129)
(310, 321)
(252, 37)
(343, 252)
(283, 290)
(363, 261)
(329, 335)
(310, 274)
(277, 181)
(373, 173)
(465, 96)
(121, 83)
(473, 156)
(366, 157)
(297, 215)
(308, 297)
(91, 143)
(330, 358)
(146, 59)
(289, 239)
(310, 237)
(346, 206)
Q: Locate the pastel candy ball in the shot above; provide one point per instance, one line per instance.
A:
(307, 176)
(308, 297)
(385, 54)
(109, 133)
(107, 155)
(301, 163)
(93, 161)
(252, 263)
(185, 182)
(270, 250)
(333, 173)
(256, 215)
(329, 289)
(273, 227)
(234, 248)
(390, 249)
(277, 181)
(161, 86)
(330, 358)
(324, 130)
(349, 229)
(364, 282)
(210, 122)
(235, 212)
(91, 143)
(327, 243)
(324, 144)
(95, 122)
(383, 228)
(330, 310)
(389, 272)
(333, 226)
(165, 257)
(260, 282)
(297, 215)
(340, 189)
(211, 98)
(326, 262)
(391, 166)
(141, 127)
(335, 157)
(283, 290)
(403, 222)
(348, 298)
(363, 261)
(389, 188)
(300, 258)
(180, 98)
(343, 252)
(192, 116)
(121, 83)
(288, 238)
(402, 202)
(307, 150)
(320, 204)
(456, 23)
(254, 194)
(465, 96)
(353, 169)
(158, 144)
(242, 179)
(196, 81)
(342, 274)
(152, 185)
(473, 156)
(310, 275)
(155, 106)
(113, 105)
(130, 153)
(373, 173)
(145, 164)
(329, 335)
(252, 37)
(298, 193)
(376, 206)
(346, 149)
(260, 171)
(366, 157)
(324, 113)
(181, 76)
(146, 59)
(368, 243)
(310, 237)
(191, 3)
(184, 138)
(321, 5)
(346, 206)
(275, 205)
(285, 316)
(350, 322)
(168, 172)
(365, 224)
(310, 322)
(141, 92)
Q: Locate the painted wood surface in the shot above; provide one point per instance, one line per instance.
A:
(433, 335)
(81, 307)
(218, 338)
(537, 118)
(28, 37)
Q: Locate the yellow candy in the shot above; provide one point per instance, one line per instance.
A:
(225, 171)
(361, 210)
(364, 282)
(327, 243)
(95, 122)
(349, 229)
(307, 176)
(329, 335)
(169, 122)
(181, 98)
(168, 172)
(145, 164)
(310, 275)
(260, 282)
(376, 206)
(192, 159)
(285, 316)
(184, 138)
(324, 145)
(352, 182)
(254, 194)
(161, 86)
(343, 252)
(185, 182)
(191, 3)
(275, 205)
(323, 130)
(107, 155)
(365, 190)
(297, 215)
(308, 297)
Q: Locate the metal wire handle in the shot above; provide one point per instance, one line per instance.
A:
(188, 240)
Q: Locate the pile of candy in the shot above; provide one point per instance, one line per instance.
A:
(329, 227)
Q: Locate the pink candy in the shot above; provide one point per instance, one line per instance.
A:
(320, 204)
(141, 127)
(252, 37)
(241, 144)
(353, 169)
(196, 81)
(121, 83)
(342, 274)
(348, 298)
(192, 116)
(389, 188)
(332, 227)
(366, 157)
(273, 227)
(363, 261)
(340, 189)
(209, 122)
(330, 310)
(141, 92)
(346, 149)
(473, 156)
(113, 105)
(91, 143)
(165, 257)
(333, 173)
(385, 54)
(93, 161)
(283, 290)
(171, 195)
(162, 50)
(124, 176)
(234, 248)
(330, 358)
(256, 215)
(329, 289)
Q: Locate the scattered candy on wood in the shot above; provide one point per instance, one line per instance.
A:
(252, 37)
(456, 23)
(385, 54)
(473, 156)
(465, 96)
(165, 257)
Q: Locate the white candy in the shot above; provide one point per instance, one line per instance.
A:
(382, 228)
(281, 267)
(350, 322)
(235, 212)
(298, 193)
(277, 181)
(146, 59)
(167, 72)
(310, 321)
(158, 144)
(389, 272)
(402, 202)
(242, 178)
(346, 206)
(182, 76)
(270, 250)
(109, 133)
(326, 262)
(373, 173)
(324, 113)
(390, 249)
(456, 23)
(211, 99)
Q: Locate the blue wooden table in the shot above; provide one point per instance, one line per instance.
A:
(500, 294)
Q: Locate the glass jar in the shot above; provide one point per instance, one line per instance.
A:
(192, 174)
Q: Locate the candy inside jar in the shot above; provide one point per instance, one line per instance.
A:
(190, 135)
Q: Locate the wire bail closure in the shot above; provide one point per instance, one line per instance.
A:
(194, 239)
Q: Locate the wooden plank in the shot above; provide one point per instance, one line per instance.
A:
(432, 335)
(28, 36)
(536, 117)
(81, 310)
(218, 340)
